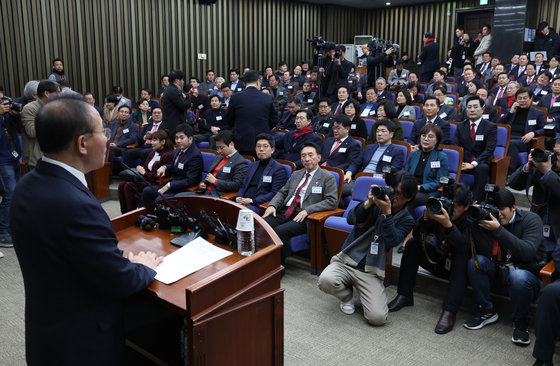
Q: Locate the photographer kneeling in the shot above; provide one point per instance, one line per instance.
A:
(442, 244)
(518, 254)
(380, 223)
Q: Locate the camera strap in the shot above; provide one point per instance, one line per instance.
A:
(530, 177)
(423, 240)
(15, 155)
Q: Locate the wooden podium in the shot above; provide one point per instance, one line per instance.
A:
(234, 307)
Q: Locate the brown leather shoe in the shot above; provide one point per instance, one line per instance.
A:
(399, 302)
(445, 322)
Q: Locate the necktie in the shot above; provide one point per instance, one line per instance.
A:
(521, 69)
(154, 129)
(338, 108)
(529, 80)
(553, 100)
(483, 68)
(179, 157)
(338, 142)
(429, 121)
(500, 94)
(297, 198)
(473, 126)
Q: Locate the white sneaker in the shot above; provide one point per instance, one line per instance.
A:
(347, 307)
(1, 254)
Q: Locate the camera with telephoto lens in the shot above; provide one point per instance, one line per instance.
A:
(540, 155)
(14, 106)
(435, 205)
(377, 45)
(319, 43)
(486, 208)
(380, 192)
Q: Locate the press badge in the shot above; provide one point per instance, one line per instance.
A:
(157, 158)
(443, 115)
(353, 126)
(533, 122)
(200, 106)
(544, 92)
(239, 89)
(435, 164)
(326, 125)
(180, 166)
(280, 93)
(377, 175)
(342, 150)
(290, 87)
(406, 114)
(387, 158)
(556, 104)
(218, 118)
(546, 231)
(374, 248)
(318, 190)
(125, 131)
(267, 179)
(309, 100)
(485, 116)
(448, 264)
(479, 138)
(227, 169)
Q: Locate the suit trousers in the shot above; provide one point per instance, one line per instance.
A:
(286, 228)
(481, 176)
(339, 279)
(515, 147)
(547, 322)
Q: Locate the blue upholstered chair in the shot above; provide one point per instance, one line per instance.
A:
(454, 160)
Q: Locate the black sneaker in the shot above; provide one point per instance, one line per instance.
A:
(521, 337)
(6, 242)
(481, 318)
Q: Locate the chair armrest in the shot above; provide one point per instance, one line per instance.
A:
(164, 180)
(264, 205)
(192, 189)
(229, 196)
(132, 146)
(499, 170)
(321, 216)
(538, 142)
(546, 273)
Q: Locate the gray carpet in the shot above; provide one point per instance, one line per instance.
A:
(318, 333)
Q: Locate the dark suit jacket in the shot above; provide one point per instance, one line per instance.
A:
(99, 110)
(288, 149)
(419, 123)
(346, 153)
(228, 181)
(265, 190)
(462, 88)
(312, 202)
(482, 151)
(287, 121)
(392, 153)
(337, 75)
(447, 112)
(75, 276)
(554, 111)
(384, 95)
(431, 175)
(503, 104)
(187, 171)
(524, 82)
(239, 87)
(174, 107)
(129, 133)
(430, 57)
(515, 70)
(147, 128)
(214, 118)
(489, 113)
(334, 107)
(545, 90)
(534, 115)
(250, 113)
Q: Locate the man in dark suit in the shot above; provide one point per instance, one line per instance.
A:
(341, 149)
(76, 278)
(468, 77)
(174, 102)
(431, 110)
(199, 100)
(237, 84)
(227, 171)
(552, 103)
(500, 90)
(288, 119)
(542, 87)
(429, 57)
(264, 177)
(446, 112)
(337, 72)
(185, 169)
(343, 94)
(506, 101)
(530, 76)
(478, 138)
(488, 113)
(250, 113)
(123, 132)
(90, 99)
(145, 146)
(308, 190)
(324, 120)
(526, 122)
(518, 71)
(278, 93)
(380, 85)
(289, 145)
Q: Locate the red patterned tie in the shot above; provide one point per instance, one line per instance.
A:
(500, 93)
(338, 142)
(473, 126)
(297, 198)
(553, 100)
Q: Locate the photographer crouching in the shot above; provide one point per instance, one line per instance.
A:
(442, 244)
(380, 223)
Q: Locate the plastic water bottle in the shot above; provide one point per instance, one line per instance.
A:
(245, 233)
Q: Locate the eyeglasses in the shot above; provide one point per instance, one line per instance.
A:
(428, 137)
(264, 147)
(298, 118)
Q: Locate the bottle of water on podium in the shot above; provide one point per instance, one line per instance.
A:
(245, 233)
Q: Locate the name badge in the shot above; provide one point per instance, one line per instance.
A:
(326, 125)
(374, 249)
(532, 122)
(180, 166)
(479, 138)
(125, 131)
(435, 164)
(556, 104)
(239, 89)
(448, 264)
(309, 100)
(280, 93)
(406, 114)
(353, 126)
(387, 158)
(290, 87)
(485, 116)
(377, 175)
(372, 112)
(200, 106)
(227, 169)
(218, 118)
(318, 190)
(342, 150)
(544, 92)
(546, 231)
(443, 115)
(267, 179)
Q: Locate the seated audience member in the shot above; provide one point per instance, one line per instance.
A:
(526, 122)
(143, 114)
(199, 100)
(287, 83)
(379, 225)
(369, 107)
(468, 77)
(398, 77)
(520, 240)
(428, 164)
(358, 126)
(542, 87)
(520, 70)
(226, 95)
(314, 77)
(362, 87)
(282, 67)
(386, 109)
(278, 93)
(164, 84)
(146, 93)
(217, 90)
(288, 119)
(404, 105)
(121, 99)
(212, 122)
(123, 132)
(478, 137)
(307, 191)
(185, 169)
(341, 149)
(499, 91)
(506, 101)
(226, 172)
(547, 322)
(130, 156)
(412, 77)
(288, 145)
(448, 259)
(446, 112)
(88, 97)
(488, 113)
(552, 103)
(264, 177)
(110, 111)
(439, 77)
(342, 94)
(235, 83)
(307, 97)
(553, 66)
(431, 110)
(298, 77)
(380, 86)
(513, 62)
(472, 89)
(492, 79)
(413, 88)
(375, 156)
(130, 193)
(209, 85)
(530, 76)
(485, 64)
(268, 72)
(324, 120)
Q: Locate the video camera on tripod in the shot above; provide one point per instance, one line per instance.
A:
(377, 46)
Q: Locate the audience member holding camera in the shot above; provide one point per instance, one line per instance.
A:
(380, 223)
(337, 71)
(518, 255)
(441, 243)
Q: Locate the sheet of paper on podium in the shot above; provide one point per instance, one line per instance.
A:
(196, 255)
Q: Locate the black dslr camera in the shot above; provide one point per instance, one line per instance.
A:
(483, 211)
(435, 205)
(381, 192)
(16, 107)
(377, 46)
(540, 155)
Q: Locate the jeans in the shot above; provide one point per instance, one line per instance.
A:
(9, 175)
(523, 286)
